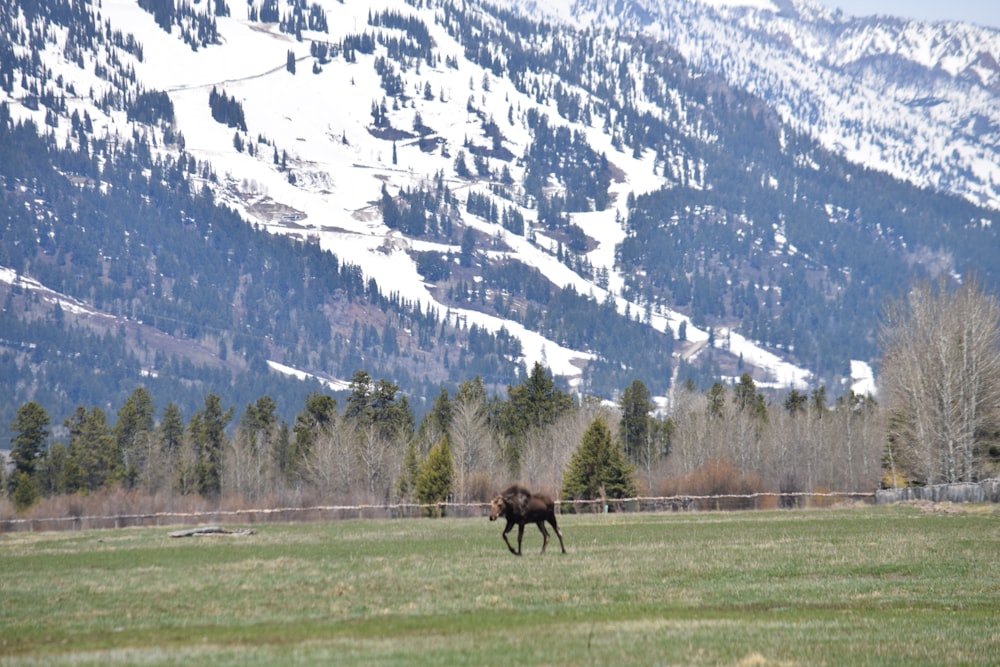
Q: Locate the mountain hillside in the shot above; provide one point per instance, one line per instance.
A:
(920, 101)
(241, 195)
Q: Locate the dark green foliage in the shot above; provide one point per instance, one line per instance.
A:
(25, 492)
(197, 29)
(433, 266)
(207, 430)
(598, 468)
(132, 432)
(151, 107)
(438, 419)
(228, 110)
(31, 430)
(585, 174)
(418, 44)
(378, 405)
(635, 425)
(534, 403)
(317, 418)
(747, 398)
(94, 458)
(434, 482)
(705, 245)
(162, 10)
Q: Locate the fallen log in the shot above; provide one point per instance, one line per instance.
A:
(209, 530)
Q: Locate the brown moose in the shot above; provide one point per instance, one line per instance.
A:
(520, 506)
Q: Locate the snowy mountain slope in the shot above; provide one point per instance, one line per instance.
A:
(915, 100)
(322, 121)
(585, 135)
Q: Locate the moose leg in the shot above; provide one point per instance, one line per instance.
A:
(510, 524)
(520, 536)
(558, 534)
(545, 534)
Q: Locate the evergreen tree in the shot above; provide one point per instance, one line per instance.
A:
(535, 402)
(410, 473)
(461, 168)
(318, 416)
(438, 420)
(796, 402)
(30, 428)
(171, 428)
(132, 433)
(25, 492)
(169, 444)
(634, 428)
(598, 468)
(434, 483)
(747, 399)
(467, 248)
(209, 438)
(378, 404)
(254, 448)
(94, 458)
(390, 211)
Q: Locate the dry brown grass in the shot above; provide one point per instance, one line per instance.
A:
(717, 477)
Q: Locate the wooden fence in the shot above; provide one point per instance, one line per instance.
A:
(679, 503)
(986, 491)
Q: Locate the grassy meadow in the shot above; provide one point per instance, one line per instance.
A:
(862, 586)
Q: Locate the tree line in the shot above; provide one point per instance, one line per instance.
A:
(368, 446)
(940, 423)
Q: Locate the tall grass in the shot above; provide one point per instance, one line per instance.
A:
(879, 585)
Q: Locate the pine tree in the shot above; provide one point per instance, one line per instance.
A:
(209, 437)
(94, 458)
(316, 419)
(534, 403)
(30, 429)
(634, 426)
(25, 491)
(135, 423)
(598, 467)
(434, 484)
(410, 473)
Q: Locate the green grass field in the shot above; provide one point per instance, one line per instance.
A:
(878, 586)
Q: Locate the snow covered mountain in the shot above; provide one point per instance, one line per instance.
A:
(661, 198)
(917, 100)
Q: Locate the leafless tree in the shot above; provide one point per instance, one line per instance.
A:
(332, 466)
(690, 442)
(804, 449)
(471, 441)
(380, 457)
(941, 374)
(547, 449)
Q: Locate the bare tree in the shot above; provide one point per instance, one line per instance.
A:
(375, 450)
(331, 465)
(547, 449)
(249, 467)
(690, 448)
(471, 441)
(941, 373)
